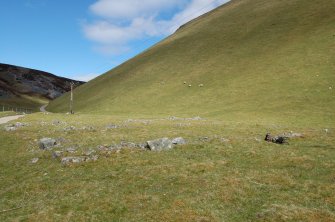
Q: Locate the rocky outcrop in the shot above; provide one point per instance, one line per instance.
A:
(19, 81)
(160, 144)
(47, 143)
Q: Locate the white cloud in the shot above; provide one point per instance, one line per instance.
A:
(130, 20)
(129, 9)
(193, 10)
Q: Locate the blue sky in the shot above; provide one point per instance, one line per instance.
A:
(82, 39)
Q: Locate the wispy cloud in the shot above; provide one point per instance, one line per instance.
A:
(122, 22)
(34, 4)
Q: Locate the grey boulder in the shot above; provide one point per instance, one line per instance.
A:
(69, 160)
(34, 160)
(160, 144)
(10, 128)
(179, 141)
(47, 143)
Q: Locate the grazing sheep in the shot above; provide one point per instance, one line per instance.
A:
(189, 85)
(201, 85)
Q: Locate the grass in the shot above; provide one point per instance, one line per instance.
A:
(266, 66)
(245, 179)
(25, 102)
(257, 59)
(7, 113)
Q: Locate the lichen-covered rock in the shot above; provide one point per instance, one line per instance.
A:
(71, 150)
(18, 124)
(276, 139)
(56, 154)
(10, 128)
(179, 141)
(294, 135)
(47, 143)
(69, 160)
(160, 144)
(89, 152)
(70, 128)
(112, 126)
(34, 160)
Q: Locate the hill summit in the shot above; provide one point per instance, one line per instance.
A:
(246, 59)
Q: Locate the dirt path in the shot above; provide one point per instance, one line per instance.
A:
(6, 119)
(42, 108)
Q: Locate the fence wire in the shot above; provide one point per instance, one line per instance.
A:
(4, 108)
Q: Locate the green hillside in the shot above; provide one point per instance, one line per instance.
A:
(256, 59)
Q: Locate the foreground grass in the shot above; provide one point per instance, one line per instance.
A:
(243, 179)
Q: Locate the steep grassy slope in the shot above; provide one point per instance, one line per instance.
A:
(256, 59)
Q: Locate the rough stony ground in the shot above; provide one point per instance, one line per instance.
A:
(6, 119)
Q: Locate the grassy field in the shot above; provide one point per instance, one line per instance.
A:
(257, 59)
(25, 102)
(233, 175)
(265, 66)
(7, 113)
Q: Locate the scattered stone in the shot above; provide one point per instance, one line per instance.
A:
(326, 130)
(115, 147)
(184, 83)
(293, 135)
(56, 154)
(142, 145)
(174, 118)
(183, 124)
(43, 123)
(18, 124)
(127, 144)
(88, 128)
(13, 127)
(204, 139)
(34, 160)
(60, 140)
(112, 126)
(56, 122)
(276, 139)
(122, 145)
(70, 128)
(103, 148)
(195, 118)
(89, 152)
(159, 144)
(71, 150)
(330, 88)
(179, 141)
(224, 140)
(69, 160)
(10, 128)
(92, 158)
(47, 143)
